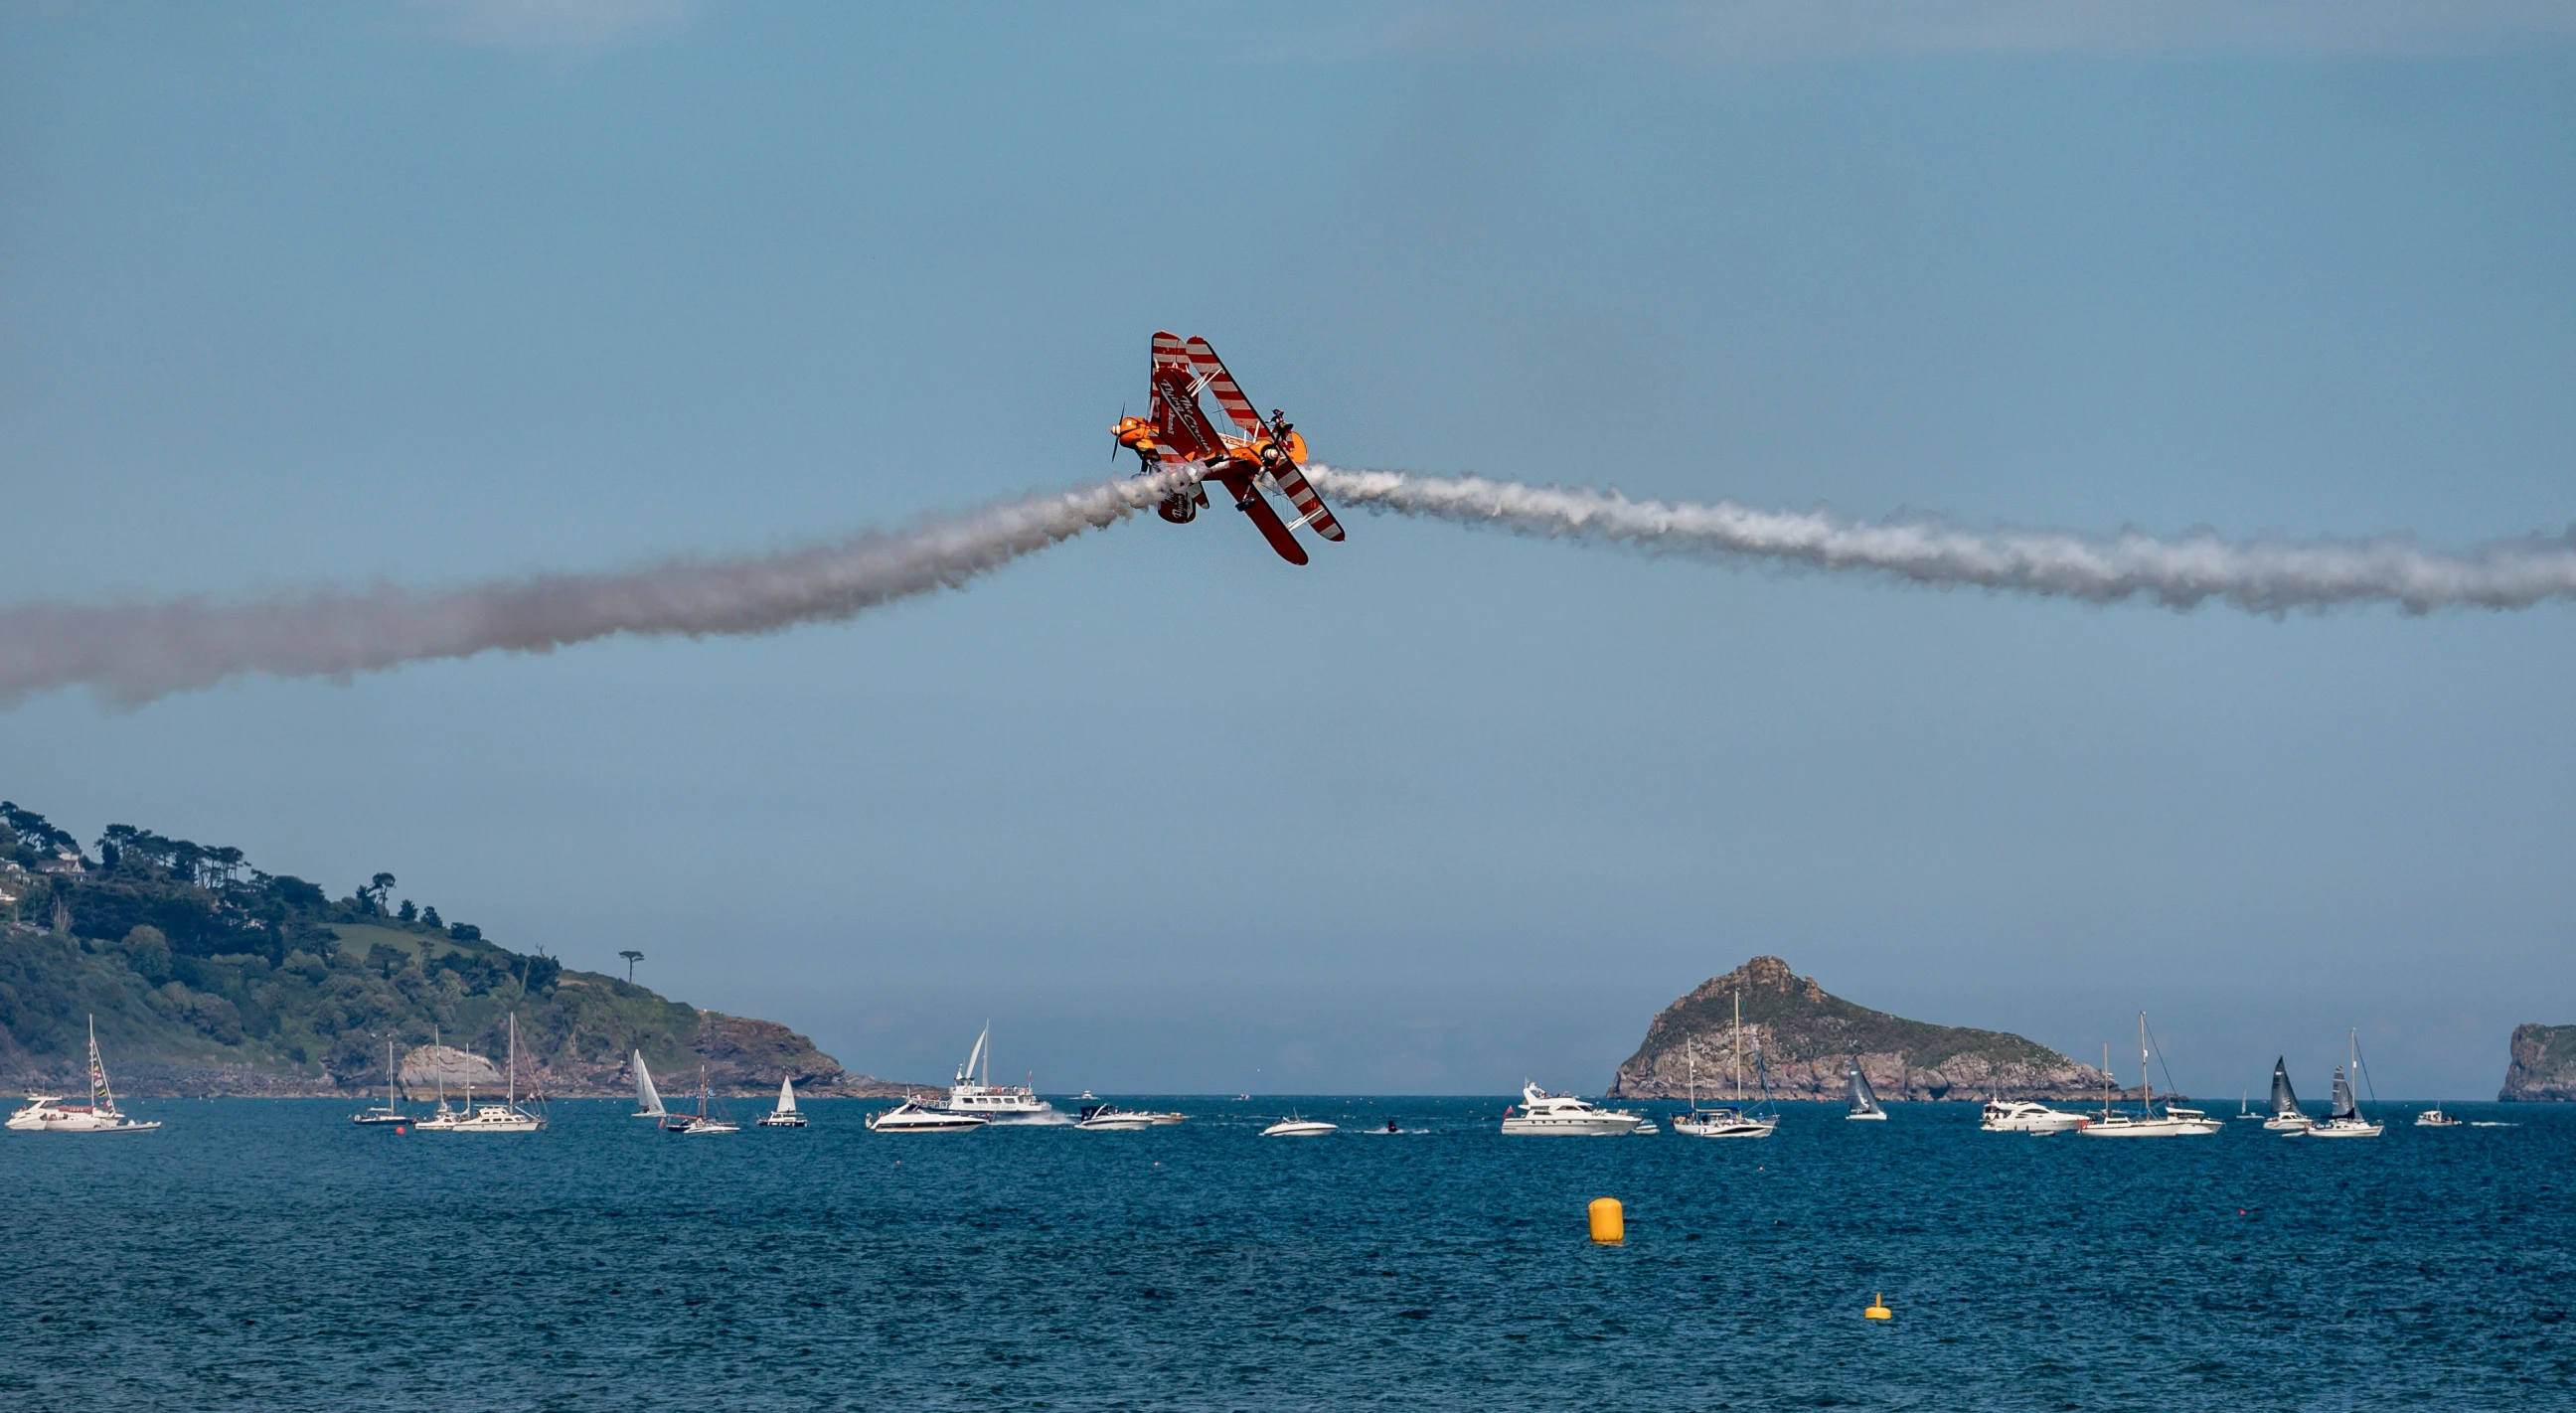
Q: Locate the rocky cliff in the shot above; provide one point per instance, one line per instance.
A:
(1809, 1040)
(2544, 1065)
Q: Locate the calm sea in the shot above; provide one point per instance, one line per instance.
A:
(271, 1255)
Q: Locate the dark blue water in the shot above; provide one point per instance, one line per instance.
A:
(271, 1255)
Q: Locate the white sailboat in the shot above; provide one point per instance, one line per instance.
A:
(443, 1118)
(2345, 1120)
(392, 1112)
(2146, 1123)
(648, 1100)
(1729, 1121)
(47, 1113)
(1864, 1100)
(785, 1115)
(497, 1118)
(2287, 1116)
(704, 1121)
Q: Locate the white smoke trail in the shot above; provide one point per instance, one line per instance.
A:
(2259, 576)
(132, 652)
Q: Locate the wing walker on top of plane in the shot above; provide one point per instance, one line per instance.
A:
(1178, 436)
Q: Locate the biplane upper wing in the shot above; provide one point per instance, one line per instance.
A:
(1239, 410)
(1187, 434)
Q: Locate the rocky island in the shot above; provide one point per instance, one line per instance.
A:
(208, 976)
(2543, 1067)
(1809, 1040)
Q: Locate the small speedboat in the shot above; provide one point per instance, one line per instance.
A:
(913, 1116)
(1295, 1127)
(1112, 1119)
(2435, 1118)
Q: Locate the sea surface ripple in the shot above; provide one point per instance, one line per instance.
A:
(271, 1255)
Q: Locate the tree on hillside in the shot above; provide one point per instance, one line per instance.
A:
(632, 957)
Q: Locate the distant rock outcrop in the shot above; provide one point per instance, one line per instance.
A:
(2544, 1065)
(433, 1069)
(1809, 1040)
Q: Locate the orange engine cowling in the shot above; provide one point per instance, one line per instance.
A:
(1296, 446)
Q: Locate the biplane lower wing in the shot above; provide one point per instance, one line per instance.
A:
(1310, 506)
(1248, 499)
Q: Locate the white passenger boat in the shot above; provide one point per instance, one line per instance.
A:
(975, 1093)
(648, 1100)
(2147, 1122)
(2023, 1116)
(1110, 1118)
(2287, 1116)
(1295, 1127)
(1863, 1101)
(505, 1117)
(2344, 1120)
(1544, 1113)
(913, 1116)
(785, 1115)
(47, 1113)
(2435, 1118)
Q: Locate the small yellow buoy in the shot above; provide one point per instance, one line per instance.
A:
(1878, 1309)
(1609, 1224)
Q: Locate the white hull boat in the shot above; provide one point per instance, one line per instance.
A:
(975, 1093)
(1109, 1118)
(392, 1112)
(1863, 1102)
(2146, 1122)
(1295, 1127)
(2435, 1118)
(1563, 1114)
(785, 1115)
(913, 1116)
(2287, 1116)
(648, 1100)
(707, 1121)
(47, 1113)
(2344, 1120)
(1730, 1121)
(505, 1117)
(2023, 1116)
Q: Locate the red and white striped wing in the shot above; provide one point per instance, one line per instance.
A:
(1310, 505)
(1238, 408)
(1169, 352)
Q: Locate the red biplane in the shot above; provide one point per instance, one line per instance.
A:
(1177, 435)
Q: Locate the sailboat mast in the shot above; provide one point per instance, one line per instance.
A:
(514, 1059)
(2146, 1091)
(1739, 1047)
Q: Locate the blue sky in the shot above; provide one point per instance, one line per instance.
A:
(420, 293)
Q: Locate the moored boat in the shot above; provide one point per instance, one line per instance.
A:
(2023, 1116)
(785, 1115)
(913, 1116)
(392, 1112)
(2147, 1121)
(707, 1120)
(47, 1113)
(505, 1117)
(2344, 1119)
(1544, 1113)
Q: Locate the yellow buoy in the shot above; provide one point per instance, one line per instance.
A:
(1878, 1309)
(1609, 1224)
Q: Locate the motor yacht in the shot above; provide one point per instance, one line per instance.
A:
(913, 1116)
(1111, 1118)
(975, 1093)
(47, 1113)
(1542, 1112)
(2344, 1120)
(2147, 1122)
(1295, 1127)
(2435, 1118)
(2023, 1116)
(785, 1115)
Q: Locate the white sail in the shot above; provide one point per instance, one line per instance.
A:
(648, 1100)
(966, 1071)
(786, 1096)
